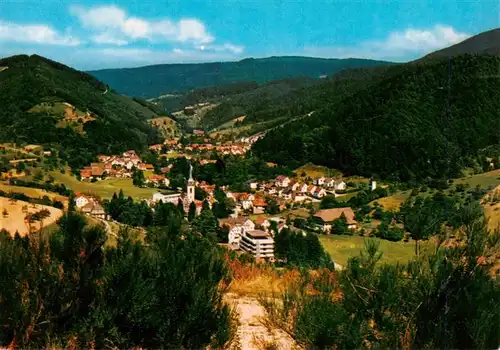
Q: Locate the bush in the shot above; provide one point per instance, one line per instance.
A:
(71, 289)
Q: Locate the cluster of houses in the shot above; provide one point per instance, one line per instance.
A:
(290, 189)
(228, 148)
(122, 167)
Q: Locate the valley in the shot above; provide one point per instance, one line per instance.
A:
(281, 202)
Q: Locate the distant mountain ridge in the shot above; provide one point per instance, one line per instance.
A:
(155, 80)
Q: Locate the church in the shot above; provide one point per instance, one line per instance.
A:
(187, 197)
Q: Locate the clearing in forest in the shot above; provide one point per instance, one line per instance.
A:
(14, 212)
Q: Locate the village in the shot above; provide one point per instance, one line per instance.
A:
(252, 224)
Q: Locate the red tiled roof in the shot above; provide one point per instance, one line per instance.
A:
(329, 215)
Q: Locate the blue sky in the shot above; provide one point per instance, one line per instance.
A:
(90, 34)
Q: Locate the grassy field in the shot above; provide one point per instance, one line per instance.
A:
(393, 202)
(490, 178)
(341, 248)
(104, 188)
(33, 192)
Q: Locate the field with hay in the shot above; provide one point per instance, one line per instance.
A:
(13, 213)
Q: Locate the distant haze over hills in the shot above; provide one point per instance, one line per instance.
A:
(152, 81)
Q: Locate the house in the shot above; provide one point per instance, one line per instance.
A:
(282, 181)
(329, 182)
(246, 200)
(157, 180)
(258, 243)
(198, 132)
(237, 227)
(311, 189)
(93, 208)
(145, 167)
(254, 185)
(325, 217)
(320, 181)
(263, 223)
(93, 172)
(302, 188)
(90, 206)
(286, 194)
(81, 200)
(271, 190)
(295, 186)
(156, 148)
(299, 198)
(340, 185)
(319, 193)
(259, 205)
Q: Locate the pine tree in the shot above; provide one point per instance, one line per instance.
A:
(192, 211)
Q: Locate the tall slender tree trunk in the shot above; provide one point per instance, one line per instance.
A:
(416, 248)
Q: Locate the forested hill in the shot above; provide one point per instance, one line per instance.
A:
(153, 81)
(48, 103)
(408, 125)
(483, 43)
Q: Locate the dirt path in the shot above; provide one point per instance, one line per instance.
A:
(251, 333)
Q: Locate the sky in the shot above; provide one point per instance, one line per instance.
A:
(90, 34)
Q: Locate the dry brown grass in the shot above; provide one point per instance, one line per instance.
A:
(258, 279)
(16, 213)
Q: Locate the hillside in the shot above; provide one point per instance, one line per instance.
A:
(45, 102)
(403, 125)
(156, 80)
(483, 43)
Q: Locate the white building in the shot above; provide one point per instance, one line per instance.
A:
(81, 201)
(320, 181)
(166, 198)
(258, 243)
(373, 185)
(237, 227)
(340, 186)
(282, 181)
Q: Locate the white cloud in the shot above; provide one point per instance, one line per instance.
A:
(115, 23)
(192, 29)
(400, 44)
(35, 33)
(105, 38)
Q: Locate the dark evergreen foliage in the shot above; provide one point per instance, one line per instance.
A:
(71, 291)
(406, 125)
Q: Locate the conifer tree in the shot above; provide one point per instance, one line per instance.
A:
(192, 211)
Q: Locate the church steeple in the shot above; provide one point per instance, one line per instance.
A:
(190, 185)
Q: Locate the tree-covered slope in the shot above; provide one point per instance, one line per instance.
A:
(153, 81)
(483, 43)
(407, 125)
(116, 123)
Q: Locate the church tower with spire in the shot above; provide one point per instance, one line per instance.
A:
(190, 185)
